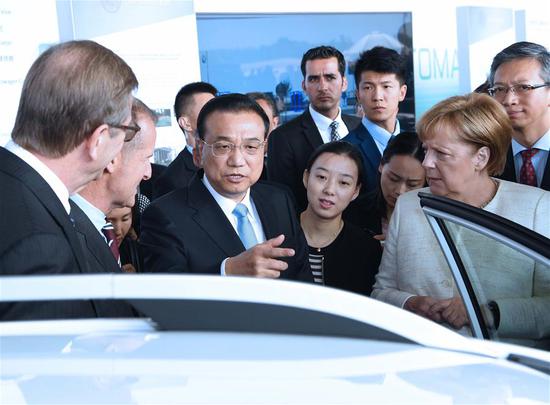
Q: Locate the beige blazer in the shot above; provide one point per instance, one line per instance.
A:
(413, 264)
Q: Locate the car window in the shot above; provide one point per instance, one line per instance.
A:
(509, 288)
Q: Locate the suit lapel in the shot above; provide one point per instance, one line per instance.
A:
(44, 193)
(210, 217)
(310, 130)
(545, 183)
(266, 212)
(188, 160)
(509, 173)
(92, 241)
(369, 148)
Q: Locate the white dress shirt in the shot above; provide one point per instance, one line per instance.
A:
(380, 136)
(228, 205)
(93, 213)
(44, 171)
(323, 124)
(539, 160)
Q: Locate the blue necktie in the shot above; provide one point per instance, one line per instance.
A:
(244, 227)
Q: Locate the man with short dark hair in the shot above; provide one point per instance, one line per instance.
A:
(291, 144)
(520, 81)
(189, 102)
(267, 102)
(115, 189)
(380, 76)
(224, 222)
(73, 118)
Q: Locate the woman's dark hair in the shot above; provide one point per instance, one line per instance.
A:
(342, 148)
(404, 144)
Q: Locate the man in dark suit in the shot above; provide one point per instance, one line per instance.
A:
(115, 189)
(73, 117)
(189, 102)
(380, 76)
(223, 222)
(520, 81)
(291, 144)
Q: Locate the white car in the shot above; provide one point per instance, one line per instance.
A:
(221, 340)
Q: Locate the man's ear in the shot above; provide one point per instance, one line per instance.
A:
(95, 141)
(183, 122)
(197, 154)
(304, 85)
(380, 166)
(344, 83)
(402, 92)
(114, 164)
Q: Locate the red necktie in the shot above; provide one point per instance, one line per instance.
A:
(527, 173)
(109, 233)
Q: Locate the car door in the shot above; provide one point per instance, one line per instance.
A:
(501, 269)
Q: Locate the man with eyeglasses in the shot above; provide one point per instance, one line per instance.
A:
(71, 122)
(520, 81)
(224, 222)
(116, 188)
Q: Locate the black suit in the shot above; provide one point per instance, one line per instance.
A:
(510, 171)
(100, 260)
(177, 174)
(290, 147)
(187, 231)
(362, 138)
(37, 238)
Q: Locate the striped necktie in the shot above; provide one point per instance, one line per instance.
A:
(109, 233)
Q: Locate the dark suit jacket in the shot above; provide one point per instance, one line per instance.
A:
(186, 231)
(37, 238)
(146, 186)
(100, 260)
(510, 171)
(177, 174)
(361, 138)
(290, 147)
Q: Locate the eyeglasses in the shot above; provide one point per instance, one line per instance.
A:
(222, 148)
(499, 92)
(130, 131)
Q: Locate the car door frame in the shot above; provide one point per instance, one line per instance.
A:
(439, 209)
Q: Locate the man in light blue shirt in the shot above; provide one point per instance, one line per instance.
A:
(380, 75)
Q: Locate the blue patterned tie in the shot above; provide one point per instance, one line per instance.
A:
(244, 227)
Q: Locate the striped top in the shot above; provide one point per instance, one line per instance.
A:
(316, 259)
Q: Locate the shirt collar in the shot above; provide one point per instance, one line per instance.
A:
(322, 122)
(92, 212)
(378, 133)
(543, 144)
(44, 171)
(227, 204)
